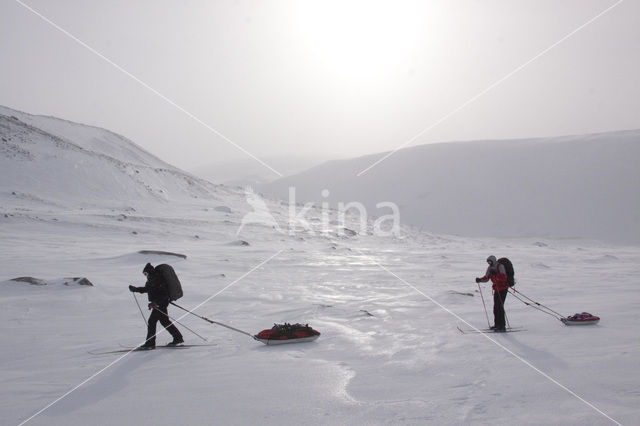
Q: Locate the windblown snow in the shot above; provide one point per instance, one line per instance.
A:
(77, 201)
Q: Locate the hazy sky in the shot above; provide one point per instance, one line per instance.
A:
(337, 78)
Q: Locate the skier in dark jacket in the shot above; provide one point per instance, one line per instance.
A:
(158, 293)
(497, 273)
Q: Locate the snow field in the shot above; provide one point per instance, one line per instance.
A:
(404, 363)
(73, 205)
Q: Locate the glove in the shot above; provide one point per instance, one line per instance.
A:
(152, 305)
(478, 280)
(132, 289)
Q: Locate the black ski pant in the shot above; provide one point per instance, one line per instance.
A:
(498, 308)
(159, 313)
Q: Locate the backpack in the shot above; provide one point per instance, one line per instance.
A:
(173, 283)
(508, 266)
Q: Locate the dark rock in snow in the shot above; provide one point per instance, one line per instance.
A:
(164, 253)
(30, 280)
(460, 293)
(78, 281)
(64, 281)
(349, 232)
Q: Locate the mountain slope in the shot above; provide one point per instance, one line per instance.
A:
(579, 186)
(95, 167)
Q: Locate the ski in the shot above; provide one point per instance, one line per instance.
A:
(120, 351)
(182, 345)
(138, 349)
(488, 330)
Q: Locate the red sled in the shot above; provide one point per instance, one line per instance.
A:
(287, 333)
(585, 318)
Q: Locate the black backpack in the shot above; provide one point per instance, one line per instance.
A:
(508, 266)
(173, 283)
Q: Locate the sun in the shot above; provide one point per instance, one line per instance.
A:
(363, 41)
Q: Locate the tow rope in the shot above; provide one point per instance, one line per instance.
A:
(214, 322)
(539, 306)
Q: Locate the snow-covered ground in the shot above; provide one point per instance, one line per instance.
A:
(387, 308)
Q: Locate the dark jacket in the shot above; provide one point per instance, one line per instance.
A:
(157, 289)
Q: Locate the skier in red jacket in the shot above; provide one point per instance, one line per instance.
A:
(497, 273)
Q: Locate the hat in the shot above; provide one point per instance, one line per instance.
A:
(148, 269)
(492, 260)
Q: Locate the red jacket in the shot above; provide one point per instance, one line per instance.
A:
(498, 276)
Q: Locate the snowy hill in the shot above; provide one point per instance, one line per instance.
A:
(49, 160)
(387, 307)
(578, 186)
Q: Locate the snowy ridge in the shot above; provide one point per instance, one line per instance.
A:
(570, 187)
(94, 167)
(90, 138)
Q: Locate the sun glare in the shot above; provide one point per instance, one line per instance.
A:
(362, 41)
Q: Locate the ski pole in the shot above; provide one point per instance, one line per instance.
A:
(483, 304)
(178, 322)
(212, 321)
(140, 309)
